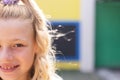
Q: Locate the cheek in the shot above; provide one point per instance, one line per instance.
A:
(25, 56)
(26, 61)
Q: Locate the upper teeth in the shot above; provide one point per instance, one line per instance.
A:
(7, 67)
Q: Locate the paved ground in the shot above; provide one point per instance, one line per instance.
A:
(77, 75)
(102, 74)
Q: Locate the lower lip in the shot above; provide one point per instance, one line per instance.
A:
(9, 70)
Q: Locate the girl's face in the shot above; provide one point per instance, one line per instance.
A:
(17, 49)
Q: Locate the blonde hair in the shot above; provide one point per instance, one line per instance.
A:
(43, 66)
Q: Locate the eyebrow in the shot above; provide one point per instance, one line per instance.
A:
(17, 40)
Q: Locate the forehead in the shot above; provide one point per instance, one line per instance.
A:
(15, 28)
(15, 24)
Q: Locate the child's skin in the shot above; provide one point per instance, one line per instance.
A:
(26, 51)
(17, 49)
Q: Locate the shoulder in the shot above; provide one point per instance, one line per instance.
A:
(56, 77)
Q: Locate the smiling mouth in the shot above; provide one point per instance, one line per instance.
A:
(8, 68)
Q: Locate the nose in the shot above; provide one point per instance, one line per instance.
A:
(6, 54)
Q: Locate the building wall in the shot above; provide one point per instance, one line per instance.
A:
(61, 9)
(65, 17)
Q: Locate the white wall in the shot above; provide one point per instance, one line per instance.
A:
(87, 35)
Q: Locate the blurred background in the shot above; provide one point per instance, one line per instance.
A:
(88, 41)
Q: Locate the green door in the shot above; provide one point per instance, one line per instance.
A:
(108, 34)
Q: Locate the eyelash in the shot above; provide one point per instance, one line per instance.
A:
(18, 45)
